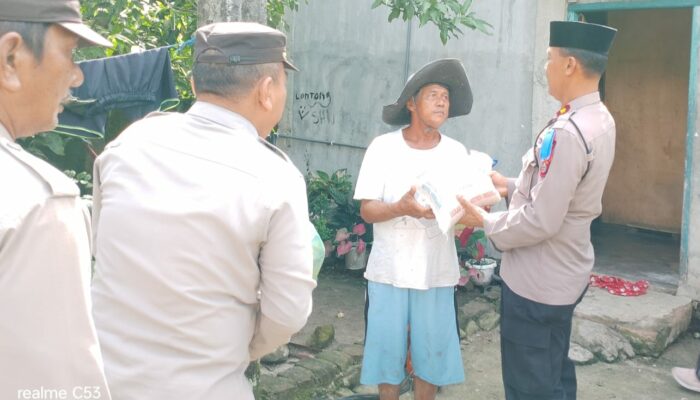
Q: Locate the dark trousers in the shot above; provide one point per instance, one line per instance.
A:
(534, 349)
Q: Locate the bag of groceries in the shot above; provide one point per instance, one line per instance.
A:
(472, 181)
(478, 187)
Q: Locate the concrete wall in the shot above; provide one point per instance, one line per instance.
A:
(353, 62)
(647, 93)
(209, 11)
(544, 106)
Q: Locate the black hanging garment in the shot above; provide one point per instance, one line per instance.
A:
(135, 83)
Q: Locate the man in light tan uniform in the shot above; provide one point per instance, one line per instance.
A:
(204, 259)
(545, 234)
(48, 345)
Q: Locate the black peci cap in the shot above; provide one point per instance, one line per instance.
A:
(581, 35)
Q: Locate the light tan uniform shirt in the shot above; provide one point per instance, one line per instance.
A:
(48, 343)
(193, 215)
(545, 234)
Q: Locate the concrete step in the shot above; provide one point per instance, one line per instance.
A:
(616, 327)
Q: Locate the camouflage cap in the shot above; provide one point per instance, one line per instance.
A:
(240, 43)
(65, 13)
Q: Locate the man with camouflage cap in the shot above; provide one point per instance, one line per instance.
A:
(48, 345)
(203, 258)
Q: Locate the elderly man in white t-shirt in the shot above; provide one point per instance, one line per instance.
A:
(413, 267)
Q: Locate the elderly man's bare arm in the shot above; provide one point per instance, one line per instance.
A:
(373, 211)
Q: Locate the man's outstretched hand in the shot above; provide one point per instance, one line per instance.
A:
(473, 215)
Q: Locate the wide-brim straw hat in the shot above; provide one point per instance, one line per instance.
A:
(448, 72)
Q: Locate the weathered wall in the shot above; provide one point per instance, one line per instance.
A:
(543, 105)
(209, 11)
(353, 62)
(647, 93)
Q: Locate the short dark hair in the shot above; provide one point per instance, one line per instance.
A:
(593, 63)
(231, 80)
(33, 34)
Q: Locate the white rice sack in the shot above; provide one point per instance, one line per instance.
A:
(471, 180)
(478, 187)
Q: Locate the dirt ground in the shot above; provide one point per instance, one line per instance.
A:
(339, 300)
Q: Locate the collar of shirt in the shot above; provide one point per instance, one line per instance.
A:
(585, 100)
(222, 116)
(5, 134)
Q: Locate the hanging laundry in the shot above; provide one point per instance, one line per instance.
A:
(135, 83)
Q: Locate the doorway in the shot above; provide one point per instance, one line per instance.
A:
(646, 89)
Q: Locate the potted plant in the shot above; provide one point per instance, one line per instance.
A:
(322, 189)
(352, 235)
(336, 217)
(351, 245)
(471, 249)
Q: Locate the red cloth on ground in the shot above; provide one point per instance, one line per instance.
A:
(619, 286)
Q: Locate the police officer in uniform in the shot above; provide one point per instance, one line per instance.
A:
(203, 253)
(48, 345)
(545, 234)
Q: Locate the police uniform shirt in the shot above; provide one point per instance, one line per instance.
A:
(203, 257)
(545, 234)
(48, 344)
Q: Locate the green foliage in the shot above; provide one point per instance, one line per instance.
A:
(82, 179)
(324, 191)
(331, 206)
(471, 251)
(276, 10)
(45, 145)
(447, 15)
(145, 24)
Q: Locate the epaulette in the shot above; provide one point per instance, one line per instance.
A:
(59, 183)
(274, 149)
(561, 122)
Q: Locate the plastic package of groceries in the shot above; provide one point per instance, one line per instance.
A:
(478, 187)
(471, 180)
(442, 200)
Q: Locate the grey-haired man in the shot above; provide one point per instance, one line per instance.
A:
(48, 345)
(413, 267)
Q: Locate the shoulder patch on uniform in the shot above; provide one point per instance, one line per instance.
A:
(547, 147)
(549, 142)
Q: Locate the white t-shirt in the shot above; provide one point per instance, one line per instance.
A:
(409, 252)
